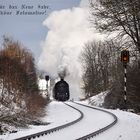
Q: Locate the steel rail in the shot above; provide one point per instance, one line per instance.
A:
(37, 135)
(91, 135)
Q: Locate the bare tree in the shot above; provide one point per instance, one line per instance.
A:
(121, 16)
(100, 66)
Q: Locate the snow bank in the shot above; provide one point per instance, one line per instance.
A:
(96, 100)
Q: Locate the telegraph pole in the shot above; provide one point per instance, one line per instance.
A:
(125, 60)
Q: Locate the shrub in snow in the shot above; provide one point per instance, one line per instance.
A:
(20, 102)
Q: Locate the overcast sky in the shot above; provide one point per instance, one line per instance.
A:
(29, 30)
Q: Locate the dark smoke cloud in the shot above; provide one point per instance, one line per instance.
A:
(63, 72)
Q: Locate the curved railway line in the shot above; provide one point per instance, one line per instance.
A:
(88, 136)
(91, 135)
(39, 134)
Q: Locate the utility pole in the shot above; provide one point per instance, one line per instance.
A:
(125, 60)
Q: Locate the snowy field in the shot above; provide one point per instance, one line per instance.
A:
(127, 128)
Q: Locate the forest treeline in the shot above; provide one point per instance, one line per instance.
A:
(101, 60)
(20, 101)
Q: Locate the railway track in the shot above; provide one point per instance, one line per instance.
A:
(43, 133)
(85, 137)
(93, 134)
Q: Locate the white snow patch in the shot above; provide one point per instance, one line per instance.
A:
(96, 100)
(42, 84)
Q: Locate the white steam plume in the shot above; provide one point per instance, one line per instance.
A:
(69, 30)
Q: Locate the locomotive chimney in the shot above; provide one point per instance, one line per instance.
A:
(62, 74)
(62, 79)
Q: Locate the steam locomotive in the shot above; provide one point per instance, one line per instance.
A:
(61, 91)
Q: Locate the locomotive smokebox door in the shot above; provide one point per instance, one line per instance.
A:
(47, 78)
(125, 56)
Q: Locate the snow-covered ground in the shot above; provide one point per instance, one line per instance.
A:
(92, 121)
(127, 128)
(97, 100)
(56, 116)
